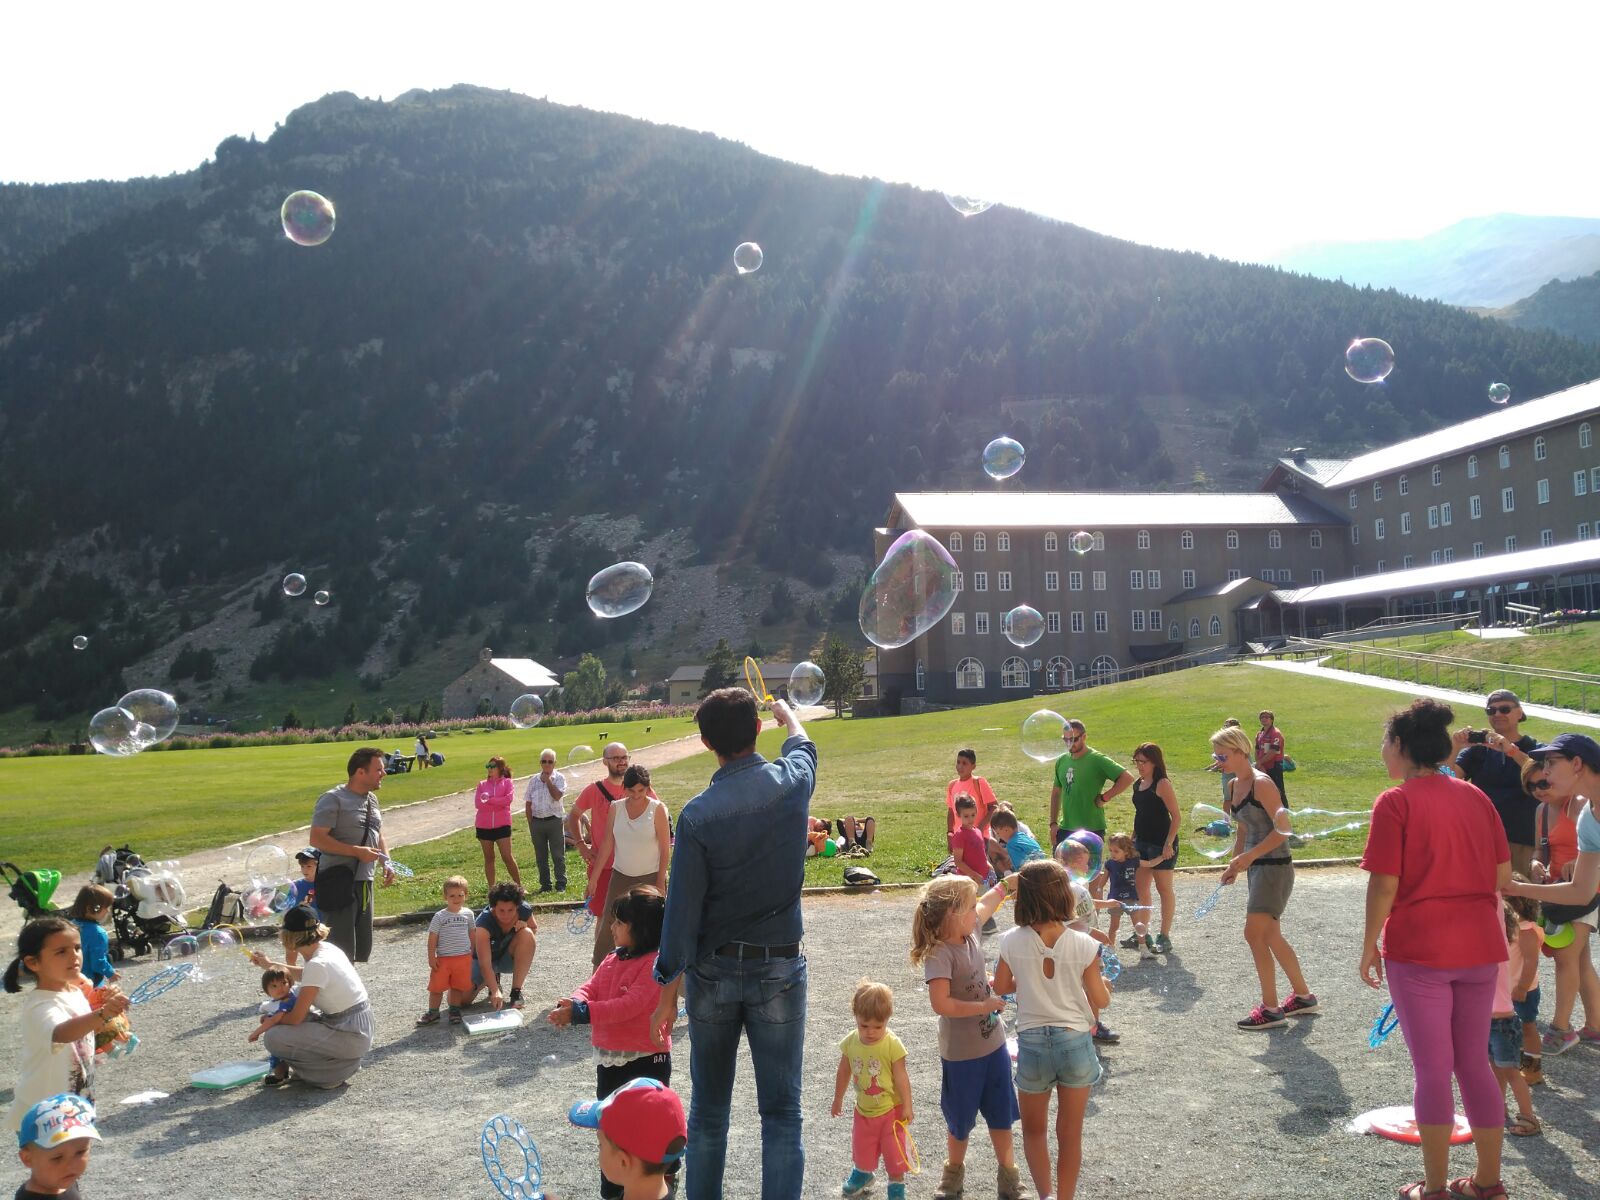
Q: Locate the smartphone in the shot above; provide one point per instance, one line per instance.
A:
(1478, 736)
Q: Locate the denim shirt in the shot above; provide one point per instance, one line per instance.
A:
(739, 860)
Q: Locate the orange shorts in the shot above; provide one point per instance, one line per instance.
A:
(453, 974)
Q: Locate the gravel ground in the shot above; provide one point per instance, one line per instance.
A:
(1188, 1103)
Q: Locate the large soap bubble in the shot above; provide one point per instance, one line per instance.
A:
(1213, 832)
(1023, 625)
(322, 599)
(1003, 458)
(579, 753)
(216, 943)
(1369, 360)
(118, 733)
(910, 592)
(1081, 542)
(527, 710)
(1092, 843)
(967, 206)
(619, 590)
(154, 708)
(80, 642)
(294, 584)
(267, 865)
(747, 257)
(807, 683)
(307, 218)
(1041, 736)
(1499, 393)
(185, 945)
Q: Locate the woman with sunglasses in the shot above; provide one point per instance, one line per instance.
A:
(493, 802)
(1493, 759)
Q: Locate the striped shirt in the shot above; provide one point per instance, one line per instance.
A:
(454, 930)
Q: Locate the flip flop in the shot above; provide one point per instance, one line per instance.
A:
(1458, 1188)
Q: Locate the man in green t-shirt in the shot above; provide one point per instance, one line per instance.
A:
(1081, 774)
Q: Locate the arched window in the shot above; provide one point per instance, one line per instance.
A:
(979, 542)
(1585, 436)
(1274, 540)
(1216, 625)
(922, 676)
(1014, 672)
(1099, 541)
(1505, 456)
(1057, 673)
(1104, 665)
(1188, 539)
(1472, 466)
(1194, 627)
(1050, 542)
(1540, 450)
(955, 542)
(1233, 539)
(1144, 539)
(1002, 541)
(1174, 634)
(1405, 486)
(969, 674)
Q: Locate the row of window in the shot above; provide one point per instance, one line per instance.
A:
(1541, 451)
(1138, 580)
(1014, 672)
(1139, 621)
(980, 541)
(1547, 537)
(1441, 515)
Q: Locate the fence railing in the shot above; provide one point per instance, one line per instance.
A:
(1162, 666)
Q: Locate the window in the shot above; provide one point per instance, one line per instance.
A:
(1099, 541)
(980, 581)
(1052, 581)
(1543, 487)
(1316, 574)
(1508, 500)
(1155, 620)
(1174, 633)
(1002, 541)
(1285, 575)
(1583, 531)
(1353, 498)
(1144, 539)
(1449, 554)
(958, 624)
(1433, 558)
(1539, 448)
(1216, 625)
(1355, 535)
(1233, 538)
(1477, 549)
(1594, 479)
(1188, 579)
(969, 674)
(1316, 539)
(959, 580)
(1547, 537)
(1194, 628)
(1052, 622)
(1101, 623)
(1405, 486)
(1274, 540)
(1077, 622)
(1057, 672)
(1472, 466)
(955, 542)
(1050, 543)
(1075, 581)
(1136, 619)
(1505, 457)
(1433, 516)
(1405, 522)
(1475, 507)
(1099, 581)
(1585, 436)
(1104, 665)
(979, 542)
(1152, 580)
(922, 676)
(1580, 483)
(1438, 474)
(1233, 573)
(1377, 490)
(1381, 565)
(1004, 580)
(1511, 543)
(1444, 513)
(1377, 528)
(1186, 539)
(980, 623)
(1014, 672)
(1136, 580)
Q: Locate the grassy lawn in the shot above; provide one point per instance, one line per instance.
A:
(60, 811)
(896, 768)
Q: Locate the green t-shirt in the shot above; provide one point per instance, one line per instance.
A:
(1080, 781)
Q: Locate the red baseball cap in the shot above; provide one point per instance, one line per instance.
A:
(643, 1117)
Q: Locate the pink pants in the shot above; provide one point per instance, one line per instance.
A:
(871, 1137)
(1444, 1013)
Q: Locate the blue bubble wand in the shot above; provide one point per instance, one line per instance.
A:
(527, 1186)
(1383, 1025)
(162, 982)
(1209, 903)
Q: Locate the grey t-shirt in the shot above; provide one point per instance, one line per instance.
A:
(344, 814)
(454, 930)
(964, 1038)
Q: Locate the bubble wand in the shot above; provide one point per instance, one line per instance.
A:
(753, 680)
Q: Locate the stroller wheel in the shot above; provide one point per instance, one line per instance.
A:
(116, 952)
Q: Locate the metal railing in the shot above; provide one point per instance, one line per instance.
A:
(1161, 666)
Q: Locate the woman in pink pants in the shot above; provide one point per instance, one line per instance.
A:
(1437, 859)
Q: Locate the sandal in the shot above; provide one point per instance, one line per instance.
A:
(1526, 1125)
(431, 1017)
(1419, 1191)
(1458, 1189)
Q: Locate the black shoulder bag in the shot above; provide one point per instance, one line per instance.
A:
(336, 885)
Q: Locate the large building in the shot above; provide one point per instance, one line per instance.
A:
(1456, 520)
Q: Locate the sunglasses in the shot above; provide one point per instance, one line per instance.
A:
(1219, 757)
(1500, 709)
(1539, 785)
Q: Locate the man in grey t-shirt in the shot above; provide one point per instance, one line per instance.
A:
(347, 828)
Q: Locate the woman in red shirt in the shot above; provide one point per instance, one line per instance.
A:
(1437, 859)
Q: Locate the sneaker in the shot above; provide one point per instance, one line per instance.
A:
(1589, 1037)
(1104, 1034)
(275, 1079)
(1262, 1017)
(516, 998)
(1147, 948)
(1558, 1041)
(1131, 942)
(1299, 1006)
(952, 1183)
(897, 1191)
(989, 926)
(1163, 944)
(858, 1183)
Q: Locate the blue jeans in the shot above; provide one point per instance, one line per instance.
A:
(766, 999)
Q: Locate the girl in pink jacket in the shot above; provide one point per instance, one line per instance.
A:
(493, 802)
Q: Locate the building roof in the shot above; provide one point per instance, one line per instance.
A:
(1067, 511)
(1521, 564)
(1494, 427)
(1210, 591)
(525, 671)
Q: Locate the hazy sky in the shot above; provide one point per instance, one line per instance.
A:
(1234, 129)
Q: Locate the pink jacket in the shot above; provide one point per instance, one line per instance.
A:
(622, 994)
(493, 798)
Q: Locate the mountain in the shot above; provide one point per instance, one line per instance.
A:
(36, 218)
(1570, 308)
(524, 354)
(1481, 262)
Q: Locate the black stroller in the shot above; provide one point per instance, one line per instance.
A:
(134, 934)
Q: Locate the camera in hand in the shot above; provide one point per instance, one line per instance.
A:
(1477, 736)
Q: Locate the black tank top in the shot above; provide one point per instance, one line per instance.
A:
(1151, 820)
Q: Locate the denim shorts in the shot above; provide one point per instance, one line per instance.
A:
(1505, 1042)
(1148, 850)
(1050, 1057)
(971, 1086)
(1527, 1009)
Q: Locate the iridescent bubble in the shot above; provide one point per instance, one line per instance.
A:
(579, 753)
(527, 710)
(619, 590)
(1092, 843)
(910, 592)
(747, 257)
(215, 943)
(1212, 832)
(1003, 457)
(1499, 393)
(967, 206)
(266, 864)
(260, 903)
(185, 945)
(1369, 360)
(118, 733)
(1023, 625)
(80, 642)
(1081, 542)
(807, 683)
(321, 599)
(294, 584)
(154, 708)
(307, 218)
(1041, 736)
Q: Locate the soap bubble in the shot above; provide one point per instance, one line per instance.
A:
(118, 733)
(1092, 843)
(1310, 824)
(154, 708)
(321, 599)
(80, 642)
(1023, 625)
(1499, 393)
(807, 683)
(910, 592)
(294, 584)
(967, 206)
(307, 218)
(215, 943)
(1081, 542)
(619, 590)
(185, 945)
(1003, 457)
(1041, 736)
(1213, 831)
(1369, 360)
(527, 710)
(260, 903)
(268, 865)
(579, 753)
(747, 257)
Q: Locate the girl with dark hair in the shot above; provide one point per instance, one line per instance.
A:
(1437, 860)
(91, 912)
(1155, 839)
(493, 801)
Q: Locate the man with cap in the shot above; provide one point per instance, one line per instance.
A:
(1491, 759)
(642, 1134)
(53, 1144)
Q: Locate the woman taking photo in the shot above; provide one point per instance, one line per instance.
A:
(1437, 859)
(324, 1048)
(493, 802)
(1155, 837)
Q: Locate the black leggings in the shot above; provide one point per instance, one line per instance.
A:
(609, 1079)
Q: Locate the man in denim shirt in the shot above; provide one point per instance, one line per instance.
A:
(733, 930)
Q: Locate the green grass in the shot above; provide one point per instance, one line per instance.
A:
(896, 768)
(60, 811)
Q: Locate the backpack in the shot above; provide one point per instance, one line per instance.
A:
(855, 876)
(227, 908)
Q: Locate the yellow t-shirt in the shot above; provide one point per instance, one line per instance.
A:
(872, 1067)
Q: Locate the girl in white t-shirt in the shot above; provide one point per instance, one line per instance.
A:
(56, 1023)
(1055, 972)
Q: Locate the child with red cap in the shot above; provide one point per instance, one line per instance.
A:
(642, 1135)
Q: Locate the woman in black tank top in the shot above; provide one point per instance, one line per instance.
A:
(1155, 837)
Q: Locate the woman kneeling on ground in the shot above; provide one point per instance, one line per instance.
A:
(325, 1047)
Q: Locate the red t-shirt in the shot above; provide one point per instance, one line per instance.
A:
(970, 850)
(1445, 841)
(1269, 748)
(982, 794)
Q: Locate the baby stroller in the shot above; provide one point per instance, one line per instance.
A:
(147, 908)
(32, 890)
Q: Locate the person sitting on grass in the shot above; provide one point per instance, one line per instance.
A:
(449, 953)
(503, 942)
(642, 1134)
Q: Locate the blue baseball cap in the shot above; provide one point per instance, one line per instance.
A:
(643, 1116)
(59, 1119)
(1570, 745)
